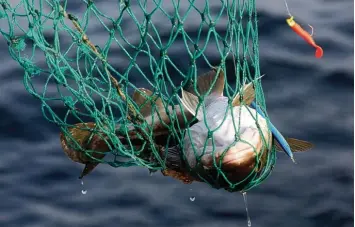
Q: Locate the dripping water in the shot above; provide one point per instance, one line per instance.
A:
(83, 191)
(246, 208)
(151, 172)
(192, 198)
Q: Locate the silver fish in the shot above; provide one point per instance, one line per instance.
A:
(237, 157)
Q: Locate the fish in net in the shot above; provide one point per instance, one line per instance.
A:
(151, 111)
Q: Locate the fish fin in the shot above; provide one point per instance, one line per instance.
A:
(89, 167)
(296, 145)
(181, 176)
(205, 82)
(190, 102)
(145, 99)
(299, 145)
(247, 96)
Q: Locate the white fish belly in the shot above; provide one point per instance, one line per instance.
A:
(226, 128)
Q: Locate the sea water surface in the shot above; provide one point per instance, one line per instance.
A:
(307, 98)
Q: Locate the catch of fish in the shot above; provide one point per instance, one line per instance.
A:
(222, 137)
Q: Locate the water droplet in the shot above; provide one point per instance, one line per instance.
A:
(83, 191)
(150, 173)
(246, 208)
(192, 198)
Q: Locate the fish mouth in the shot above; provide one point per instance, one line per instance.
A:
(242, 157)
(239, 164)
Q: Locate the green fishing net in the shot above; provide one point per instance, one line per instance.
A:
(86, 62)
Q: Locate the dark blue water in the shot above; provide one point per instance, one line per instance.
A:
(307, 98)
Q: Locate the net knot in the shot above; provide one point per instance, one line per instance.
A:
(163, 53)
(17, 43)
(174, 21)
(209, 134)
(69, 102)
(148, 16)
(212, 24)
(90, 3)
(30, 67)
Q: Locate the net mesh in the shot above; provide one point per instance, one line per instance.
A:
(119, 69)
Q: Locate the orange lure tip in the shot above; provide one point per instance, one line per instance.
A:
(319, 52)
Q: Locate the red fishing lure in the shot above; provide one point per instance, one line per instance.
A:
(305, 35)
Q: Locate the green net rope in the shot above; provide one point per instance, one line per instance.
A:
(66, 64)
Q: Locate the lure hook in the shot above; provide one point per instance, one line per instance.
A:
(312, 29)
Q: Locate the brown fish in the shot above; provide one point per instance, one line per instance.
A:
(88, 137)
